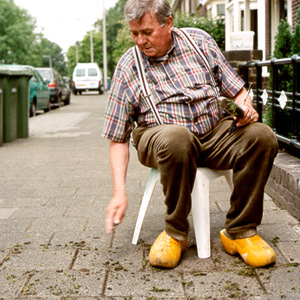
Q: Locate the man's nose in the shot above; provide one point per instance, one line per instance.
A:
(141, 39)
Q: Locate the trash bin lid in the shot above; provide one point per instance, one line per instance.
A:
(15, 70)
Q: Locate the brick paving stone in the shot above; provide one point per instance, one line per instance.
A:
(54, 188)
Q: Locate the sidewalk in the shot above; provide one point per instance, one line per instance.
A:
(54, 188)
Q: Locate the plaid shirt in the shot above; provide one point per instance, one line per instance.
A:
(181, 87)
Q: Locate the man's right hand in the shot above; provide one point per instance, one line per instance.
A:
(115, 212)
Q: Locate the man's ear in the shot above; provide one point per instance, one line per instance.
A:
(169, 23)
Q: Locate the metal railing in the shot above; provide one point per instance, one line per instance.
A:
(268, 99)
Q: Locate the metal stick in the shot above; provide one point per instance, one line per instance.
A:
(247, 93)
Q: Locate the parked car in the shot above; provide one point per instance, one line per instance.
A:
(68, 81)
(59, 89)
(39, 93)
(87, 77)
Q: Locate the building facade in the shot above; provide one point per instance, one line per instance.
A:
(248, 23)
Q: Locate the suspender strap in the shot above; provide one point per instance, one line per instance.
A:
(144, 84)
(200, 53)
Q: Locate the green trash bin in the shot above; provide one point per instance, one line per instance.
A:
(23, 103)
(9, 89)
(15, 86)
(1, 113)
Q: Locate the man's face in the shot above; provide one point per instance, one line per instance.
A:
(153, 39)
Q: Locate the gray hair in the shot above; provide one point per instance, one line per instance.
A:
(135, 9)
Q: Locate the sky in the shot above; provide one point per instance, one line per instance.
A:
(65, 21)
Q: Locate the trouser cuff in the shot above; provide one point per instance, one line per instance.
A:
(247, 233)
(176, 234)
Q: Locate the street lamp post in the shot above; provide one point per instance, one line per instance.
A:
(104, 49)
(50, 60)
(77, 57)
(91, 46)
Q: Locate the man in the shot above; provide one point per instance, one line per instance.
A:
(194, 133)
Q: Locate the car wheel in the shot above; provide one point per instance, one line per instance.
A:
(67, 101)
(33, 109)
(58, 103)
(48, 108)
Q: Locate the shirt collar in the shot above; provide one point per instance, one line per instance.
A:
(165, 57)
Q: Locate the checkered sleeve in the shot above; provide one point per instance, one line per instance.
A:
(227, 78)
(118, 124)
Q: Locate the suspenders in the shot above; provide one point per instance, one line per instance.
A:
(144, 84)
(143, 80)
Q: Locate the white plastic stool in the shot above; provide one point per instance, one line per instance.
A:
(200, 205)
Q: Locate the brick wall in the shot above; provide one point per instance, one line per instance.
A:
(268, 28)
(284, 183)
(238, 57)
(295, 6)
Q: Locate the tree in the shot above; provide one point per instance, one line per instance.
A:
(20, 45)
(215, 27)
(283, 40)
(71, 55)
(16, 34)
(55, 52)
(124, 41)
(114, 23)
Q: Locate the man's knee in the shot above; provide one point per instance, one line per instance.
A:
(263, 137)
(178, 141)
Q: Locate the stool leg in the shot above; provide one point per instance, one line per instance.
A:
(228, 177)
(153, 178)
(200, 212)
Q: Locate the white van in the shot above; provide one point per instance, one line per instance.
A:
(87, 77)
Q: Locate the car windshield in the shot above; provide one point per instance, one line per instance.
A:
(92, 72)
(80, 72)
(46, 74)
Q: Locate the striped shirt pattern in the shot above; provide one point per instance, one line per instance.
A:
(180, 84)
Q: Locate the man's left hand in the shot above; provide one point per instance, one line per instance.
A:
(250, 116)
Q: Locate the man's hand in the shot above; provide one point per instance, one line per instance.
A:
(250, 114)
(115, 212)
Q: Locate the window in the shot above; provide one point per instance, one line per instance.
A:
(221, 9)
(80, 72)
(92, 72)
(283, 9)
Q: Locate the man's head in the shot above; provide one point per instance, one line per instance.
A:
(150, 23)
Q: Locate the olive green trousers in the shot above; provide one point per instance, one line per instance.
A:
(249, 151)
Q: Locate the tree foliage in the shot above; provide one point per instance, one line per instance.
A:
(16, 33)
(19, 44)
(124, 41)
(214, 26)
(114, 18)
(283, 40)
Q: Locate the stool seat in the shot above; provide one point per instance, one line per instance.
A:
(200, 205)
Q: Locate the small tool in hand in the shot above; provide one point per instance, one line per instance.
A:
(232, 108)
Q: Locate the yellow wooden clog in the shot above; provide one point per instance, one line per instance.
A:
(166, 251)
(253, 250)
